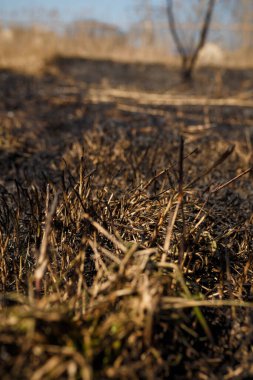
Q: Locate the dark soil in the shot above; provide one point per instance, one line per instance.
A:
(92, 135)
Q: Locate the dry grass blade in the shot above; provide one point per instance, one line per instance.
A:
(218, 162)
(231, 181)
(165, 171)
(127, 257)
(48, 368)
(181, 302)
(175, 213)
(105, 252)
(43, 259)
(199, 315)
(106, 234)
(172, 220)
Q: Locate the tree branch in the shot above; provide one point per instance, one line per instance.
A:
(188, 61)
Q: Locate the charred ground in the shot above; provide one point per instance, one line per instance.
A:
(90, 232)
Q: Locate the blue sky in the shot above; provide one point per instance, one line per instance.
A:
(120, 12)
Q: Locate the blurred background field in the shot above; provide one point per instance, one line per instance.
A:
(31, 33)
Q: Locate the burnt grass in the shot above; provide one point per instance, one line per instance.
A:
(125, 248)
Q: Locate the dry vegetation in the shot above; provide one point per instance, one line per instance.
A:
(125, 250)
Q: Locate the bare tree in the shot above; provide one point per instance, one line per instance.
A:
(189, 59)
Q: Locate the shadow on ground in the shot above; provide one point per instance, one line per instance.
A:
(42, 117)
(153, 77)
